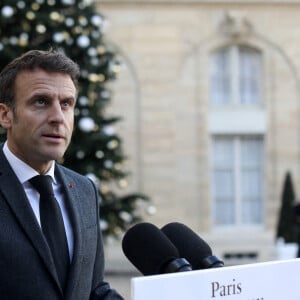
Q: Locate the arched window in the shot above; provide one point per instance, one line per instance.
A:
(236, 76)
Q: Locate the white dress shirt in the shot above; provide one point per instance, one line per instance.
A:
(24, 172)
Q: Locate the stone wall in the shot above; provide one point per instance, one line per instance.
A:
(163, 94)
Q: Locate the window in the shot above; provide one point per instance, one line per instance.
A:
(237, 179)
(236, 76)
(237, 127)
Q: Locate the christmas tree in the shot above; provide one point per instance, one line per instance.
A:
(286, 222)
(77, 28)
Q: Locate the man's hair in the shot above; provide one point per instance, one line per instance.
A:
(49, 61)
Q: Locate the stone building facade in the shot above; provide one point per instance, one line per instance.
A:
(210, 96)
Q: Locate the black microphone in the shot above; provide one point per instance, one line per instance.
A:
(191, 246)
(151, 252)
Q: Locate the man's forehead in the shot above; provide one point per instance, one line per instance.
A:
(45, 78)
(31, 84)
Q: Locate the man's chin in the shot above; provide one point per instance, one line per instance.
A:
(54, 156)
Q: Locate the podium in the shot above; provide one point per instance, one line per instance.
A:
(277, 280)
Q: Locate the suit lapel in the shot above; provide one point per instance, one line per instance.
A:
(14, 194)
(73, 201)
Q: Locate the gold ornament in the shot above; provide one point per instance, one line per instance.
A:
(55, 16)
(30, 15)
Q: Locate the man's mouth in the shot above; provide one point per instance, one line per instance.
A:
(53, 136)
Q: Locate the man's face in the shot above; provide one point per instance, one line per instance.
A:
(40, 127)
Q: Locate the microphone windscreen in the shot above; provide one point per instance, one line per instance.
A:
(148, 249)
(188, 243)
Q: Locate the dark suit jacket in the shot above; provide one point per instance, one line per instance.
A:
(26, 268)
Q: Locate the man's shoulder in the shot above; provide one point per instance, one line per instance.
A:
(70, 178)
(68, 171)
(71, 174)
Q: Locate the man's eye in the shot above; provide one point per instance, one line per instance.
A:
(67, 103)
(40, 101)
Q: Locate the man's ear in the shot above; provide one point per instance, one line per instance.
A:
(6, 116)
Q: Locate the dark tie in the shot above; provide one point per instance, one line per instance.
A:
(52, 225)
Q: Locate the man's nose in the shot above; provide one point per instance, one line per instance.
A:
(56, 114)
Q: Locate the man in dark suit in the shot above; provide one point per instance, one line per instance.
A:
(37, 99)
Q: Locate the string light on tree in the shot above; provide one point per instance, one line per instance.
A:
(83, 41)
(86, 124)
(7, 11)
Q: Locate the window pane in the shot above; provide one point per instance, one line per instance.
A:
(251, 191)
(220, 77)
(224, 197)
(223, 183)
(223, 152)
(250, 75)
(251, 180)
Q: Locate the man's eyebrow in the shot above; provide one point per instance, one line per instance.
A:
(40, 94)
(48, 95)
(70, 99)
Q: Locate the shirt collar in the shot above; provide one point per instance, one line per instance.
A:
(23, 171)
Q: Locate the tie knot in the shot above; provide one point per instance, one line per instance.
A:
(43, 184)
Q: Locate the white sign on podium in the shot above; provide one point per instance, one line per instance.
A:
(277, 280)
